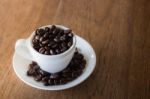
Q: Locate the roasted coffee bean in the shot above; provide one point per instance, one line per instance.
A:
(45, 79)
(67, 31)
(34, 41)
(51, 43)
(56, 39)
(30, 72)
(31, 66)
(53, 27)
(56, 31)
(63, 44)
(46, 53)
(46, 84)
(52, 52)
(46, 35)
(54, 76)
(66, 74)
(56, 82)
(38, 78)
(51, 37)
(40, 32)
(47, 29)
(42, 50)
(63, 81)
(63, 49)
(41, 45)
(79, 56)
(36, 67)
(54, 45)
(75, 74)
(69, 44)
(67, 70)
(41, 72)
(45, 42)
(63, 38)
(37, 37)
(70, 34)
(47, 48)
(41, 39)
(57, 51)
(51, 82)
(36, 47)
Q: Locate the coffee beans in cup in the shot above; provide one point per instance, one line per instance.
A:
(52, 40)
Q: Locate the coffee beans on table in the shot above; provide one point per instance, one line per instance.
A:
(52, 40)
(73, 70)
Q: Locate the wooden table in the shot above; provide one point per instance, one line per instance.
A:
(119, 31)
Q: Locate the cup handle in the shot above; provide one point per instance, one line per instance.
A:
(22, 50)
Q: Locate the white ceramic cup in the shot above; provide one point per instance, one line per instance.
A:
(49, 63)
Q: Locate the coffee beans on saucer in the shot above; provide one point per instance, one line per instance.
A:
(73, 70)
(52, 40)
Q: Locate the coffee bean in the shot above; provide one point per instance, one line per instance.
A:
(54, 45)
(69, 44)
(75, 74)
(37, 37)
(45, 79)
(43, 73)
(54, 76)
(38, 78)
(46, 84)
(63, 44)
(30, 72)
(45, 42)
(41, 39)
(47, 48)
(34, 41)
(52, 52)
(56, 31)
(63, 49)
(31, 66)
(46, 35)
(67, 31)
(36, 67)
(70, 34)
(46, 53)
(66, 74)
(47, 29)
(51, 37)
(40, 32)
(53, 27)
(57, 51)
(63, 81)
(79, 56)
(63, 38)
(56, 39)
(42, 50)
(51, 82)
(56, 82)
(51, 43)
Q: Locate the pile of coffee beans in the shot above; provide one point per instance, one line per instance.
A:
(73, 70)
(52, 40)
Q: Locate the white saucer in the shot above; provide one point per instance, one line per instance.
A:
(20, 66)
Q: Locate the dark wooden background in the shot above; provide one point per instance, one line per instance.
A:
(119, 31)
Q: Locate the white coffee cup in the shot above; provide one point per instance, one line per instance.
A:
(49, 63)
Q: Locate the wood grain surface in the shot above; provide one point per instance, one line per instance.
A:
(118, 30)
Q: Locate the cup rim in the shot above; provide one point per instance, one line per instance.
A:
(61, 54)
